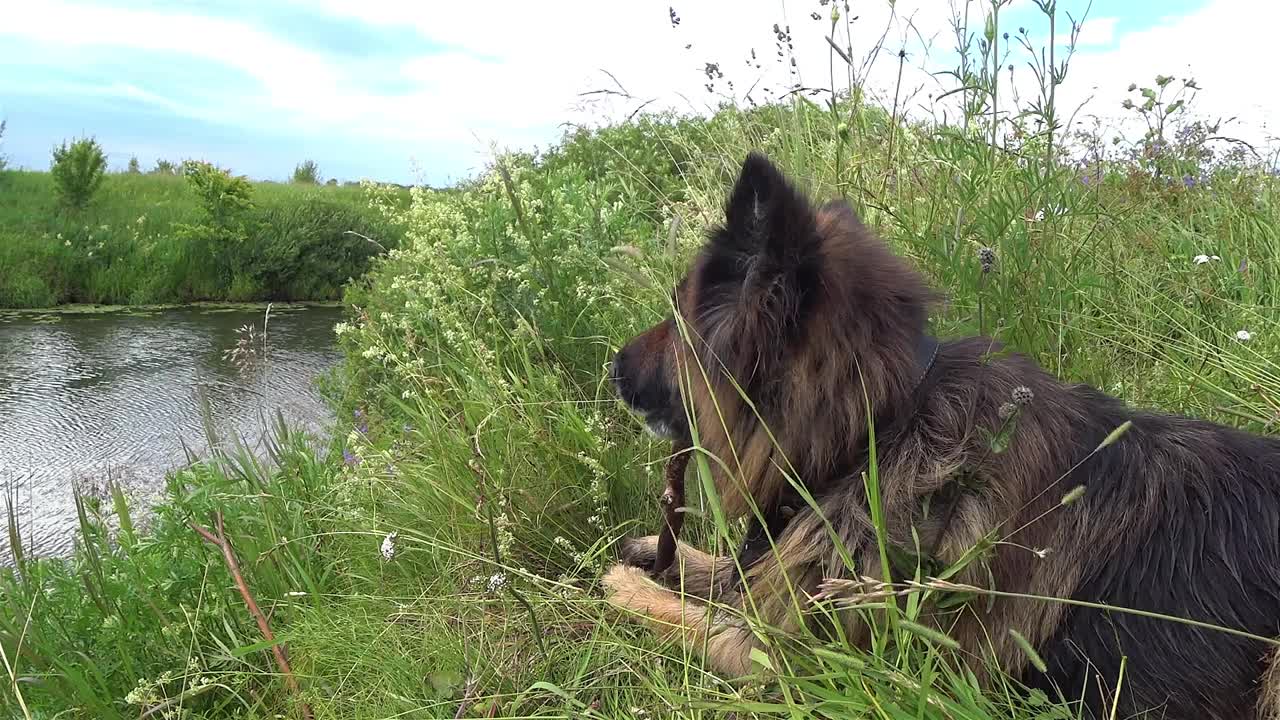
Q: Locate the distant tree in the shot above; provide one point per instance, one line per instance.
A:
(164, 167)
(3, 160)
(78, 170)
(333, 182)
(307, 173)
(134, 167)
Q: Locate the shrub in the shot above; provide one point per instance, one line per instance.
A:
(221, 194)
(164, 167)
(307, 173)
(78, 170)
(305, 250)
(134, 167)
(212, 247)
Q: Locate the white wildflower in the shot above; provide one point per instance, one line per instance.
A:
(1202, 259)
(497, 581)
(389, 546)
(1244, 335)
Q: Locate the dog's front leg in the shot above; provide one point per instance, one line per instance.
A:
(692, 571)
(727, 641)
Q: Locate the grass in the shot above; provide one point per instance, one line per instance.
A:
(136, 243)
(439, 556)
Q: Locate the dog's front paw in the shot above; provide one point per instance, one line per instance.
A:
(630, 588)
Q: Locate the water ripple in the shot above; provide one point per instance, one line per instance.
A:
(91, 396)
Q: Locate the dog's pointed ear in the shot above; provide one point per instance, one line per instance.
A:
(767, 215)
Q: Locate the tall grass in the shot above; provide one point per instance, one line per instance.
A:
(127, 247)
(439, 558)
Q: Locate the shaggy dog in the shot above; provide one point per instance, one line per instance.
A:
(796, 328)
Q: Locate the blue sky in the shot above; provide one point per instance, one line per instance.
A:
(406, 91)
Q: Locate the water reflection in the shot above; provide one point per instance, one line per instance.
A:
(84, 397)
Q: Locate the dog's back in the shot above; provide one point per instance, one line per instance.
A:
(1181, 518)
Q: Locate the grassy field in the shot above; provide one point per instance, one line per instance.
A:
(440, 556)
(145, 239)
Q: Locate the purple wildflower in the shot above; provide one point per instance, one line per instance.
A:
(349, 457)
(1188, 181)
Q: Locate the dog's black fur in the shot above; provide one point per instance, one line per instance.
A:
(806, 308)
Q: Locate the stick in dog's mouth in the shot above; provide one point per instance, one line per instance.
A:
(672, 500)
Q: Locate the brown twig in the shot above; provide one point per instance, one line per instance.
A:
(221, 541)
(466, 699)
(672, 501)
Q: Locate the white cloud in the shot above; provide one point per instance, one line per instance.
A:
(512, 72)
(1093, 32)
(1226, 45)
(523, 66)
(288, 75)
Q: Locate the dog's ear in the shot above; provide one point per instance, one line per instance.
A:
(761, 271)
(766, 217)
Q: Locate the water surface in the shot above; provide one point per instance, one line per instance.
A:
(91, 396)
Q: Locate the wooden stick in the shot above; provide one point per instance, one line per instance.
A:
(229, 557)
(672, 500)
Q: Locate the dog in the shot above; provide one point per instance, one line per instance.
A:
(797, 332)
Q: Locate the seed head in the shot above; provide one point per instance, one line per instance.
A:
(1022, 396)
(986, 259)
(1007, 410)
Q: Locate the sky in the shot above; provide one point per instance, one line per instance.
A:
(423, 91)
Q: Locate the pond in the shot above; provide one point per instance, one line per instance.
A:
(87, 397)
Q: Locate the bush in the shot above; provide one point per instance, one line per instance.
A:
(164, 167)
(221, 194)
(311, 248)
(134, 167)
(78, 170)
(307, 173)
